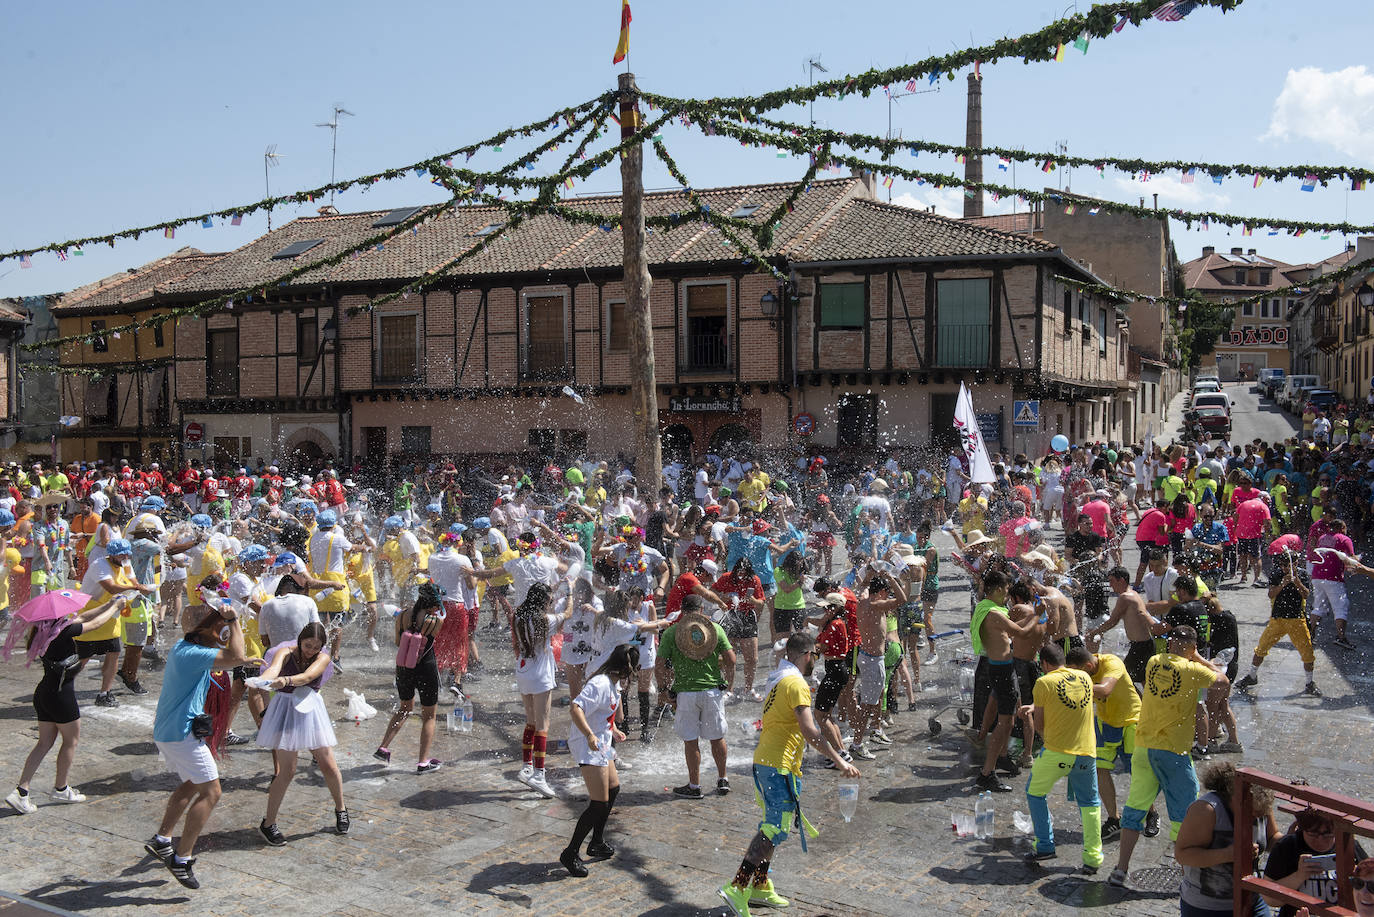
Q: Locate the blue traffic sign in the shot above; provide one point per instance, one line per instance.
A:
(1025, 414)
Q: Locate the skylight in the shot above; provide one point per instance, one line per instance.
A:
(399, 215)
(296, 248)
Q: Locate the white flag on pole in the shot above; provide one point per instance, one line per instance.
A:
(966, 425)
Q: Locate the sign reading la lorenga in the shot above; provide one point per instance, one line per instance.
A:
(1260, 337)
(695, 405)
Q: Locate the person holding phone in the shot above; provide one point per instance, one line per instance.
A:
(1304, 859)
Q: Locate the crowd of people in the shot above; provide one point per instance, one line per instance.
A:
(722, 588)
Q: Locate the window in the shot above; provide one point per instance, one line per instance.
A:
(857, 422)
(1247, 309)
(546, 341)
(842, 306)
(1068, 310)
(617, 328)
(544, 442)
(415, 440)
(963, 310)
(396, 217)
(552, 443)
(307, 339)
(1264, 308)
(158, 338)
(222, 363)
(1101, 332)
(745, 210)
(296, 249)
(1264, 278)
(99, 344)
(397, 358)
(102, 400)
(374, 443)
(488, 229)
(1240, 276)
(706, 337)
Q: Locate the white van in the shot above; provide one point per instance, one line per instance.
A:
(1292, 385)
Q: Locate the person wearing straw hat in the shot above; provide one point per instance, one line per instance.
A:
(703, 663)
(51, 634)
(787, 727)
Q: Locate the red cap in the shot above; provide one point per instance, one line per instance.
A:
(823, 499)
(760, 526)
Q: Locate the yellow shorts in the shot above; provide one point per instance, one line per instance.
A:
(1295, 629)
(367, 586)
(1114, 741)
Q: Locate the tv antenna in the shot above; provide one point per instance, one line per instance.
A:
(893, 97)
(333, 125)
(812, 66)
(269, 159)
(1061, 150)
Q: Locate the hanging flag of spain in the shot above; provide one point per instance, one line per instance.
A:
(622, 47)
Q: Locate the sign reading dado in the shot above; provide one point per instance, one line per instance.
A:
(1259, 336)
(688, 403)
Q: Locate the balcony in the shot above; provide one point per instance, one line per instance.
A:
(546, 362)
(963, 346)
(705, 354)
(1326, 332)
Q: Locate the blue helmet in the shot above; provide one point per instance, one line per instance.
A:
(119, 547)
(252, 554)
(285, 559)
(153, 503)
(457, 528)
(306, 506)
(434, 508)
(327, 519)
(393, 522)
(481, 523)
(202, 521)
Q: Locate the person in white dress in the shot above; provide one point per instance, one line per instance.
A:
(533, 627)
(579, 608)
(297, 720)
(591, 744)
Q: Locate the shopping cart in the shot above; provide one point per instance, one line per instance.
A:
(954, 677)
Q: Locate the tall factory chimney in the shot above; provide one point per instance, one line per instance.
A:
(973, 136)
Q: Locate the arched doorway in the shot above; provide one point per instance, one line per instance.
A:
(677, 444)
(305, 455)
(731, 439)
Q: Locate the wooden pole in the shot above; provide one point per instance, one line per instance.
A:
(643, 392)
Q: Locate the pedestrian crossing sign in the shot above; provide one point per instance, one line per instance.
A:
(1026, 414)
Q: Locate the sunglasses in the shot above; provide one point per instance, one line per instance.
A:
(1361, 885)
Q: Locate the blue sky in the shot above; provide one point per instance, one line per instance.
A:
(132, 113)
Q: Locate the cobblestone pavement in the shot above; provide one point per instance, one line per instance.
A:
(470, 837)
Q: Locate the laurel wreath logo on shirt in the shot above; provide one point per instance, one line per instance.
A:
(1082, 696)
(1158, 687)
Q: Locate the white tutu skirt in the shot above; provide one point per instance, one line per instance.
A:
(296, 722)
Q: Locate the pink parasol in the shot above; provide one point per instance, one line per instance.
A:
(52, 606)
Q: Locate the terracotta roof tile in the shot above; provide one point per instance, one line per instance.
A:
(864, 229)
(135, 284)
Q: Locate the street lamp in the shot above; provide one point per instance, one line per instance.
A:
(768, 303)
(1365, 296)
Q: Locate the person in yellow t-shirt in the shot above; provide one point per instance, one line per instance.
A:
(1063, 715)
(972, 513)
(1163, 737)
(108, 576)
(1118, 711)
(11, 561)
(787, 724)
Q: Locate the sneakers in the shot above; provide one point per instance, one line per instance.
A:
(826, 762)
(372, 642)
(271, 834)
(182, 871)
(428, 767)
(1312, 690)
(67, 794)
(1151, 824)
(541, 786)
(766, 896)
(526, 772)
(341, 821)
(133, 685)
(383, 755)
(1246, 683)
(723, 786)
(861, 752)
(933, 658)
(164, 851)
(1009, 767)
(737, 899)
(233, 738)
(1117, 879)
(1035, 856)
(573, 864)
(881, 738)
(991, 783)
(457, 691)
(1343, 642)
(21, 803)
(601, 850)
(1111, 829)
(1228, 748)
(687, 791)
(106, 699)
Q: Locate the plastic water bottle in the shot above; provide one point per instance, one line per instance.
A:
(1224, 658)
(983, 815)
(454, 718)
(467, 715)
(849, 799)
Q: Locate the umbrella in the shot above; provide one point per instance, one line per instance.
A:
(53, 606)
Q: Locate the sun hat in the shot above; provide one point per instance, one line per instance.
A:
(695, 636)
(976, 538)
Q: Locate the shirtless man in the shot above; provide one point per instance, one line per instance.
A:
(992, 631)
(1025, 651)
(879, 596)
(1139, 624)
(1063, 626)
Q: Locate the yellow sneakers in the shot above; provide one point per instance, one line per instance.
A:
(766, 896)
(737, 899)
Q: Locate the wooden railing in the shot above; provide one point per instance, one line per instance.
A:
(1350, 817)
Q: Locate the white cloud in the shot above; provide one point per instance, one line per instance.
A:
(1172, 193)
(1335, 108)
(948, 202)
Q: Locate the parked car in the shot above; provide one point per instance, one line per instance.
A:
(1213, 422)
(1291, 386)
(1201, 388)
(1320, 399)
(1212, 400)
(1269, 380)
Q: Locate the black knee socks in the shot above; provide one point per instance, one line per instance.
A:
(593, 816)
(598, 830)
(643, 711)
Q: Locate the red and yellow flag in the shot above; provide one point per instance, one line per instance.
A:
(622, 47)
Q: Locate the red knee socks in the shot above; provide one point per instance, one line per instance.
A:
(527, 745)
(541, 744)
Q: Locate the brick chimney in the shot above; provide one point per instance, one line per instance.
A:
(973, 136)
(1208, 250)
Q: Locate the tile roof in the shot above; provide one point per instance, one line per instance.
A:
(8, 314)
(868, 229)
(135, 284)
(1215, 272)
